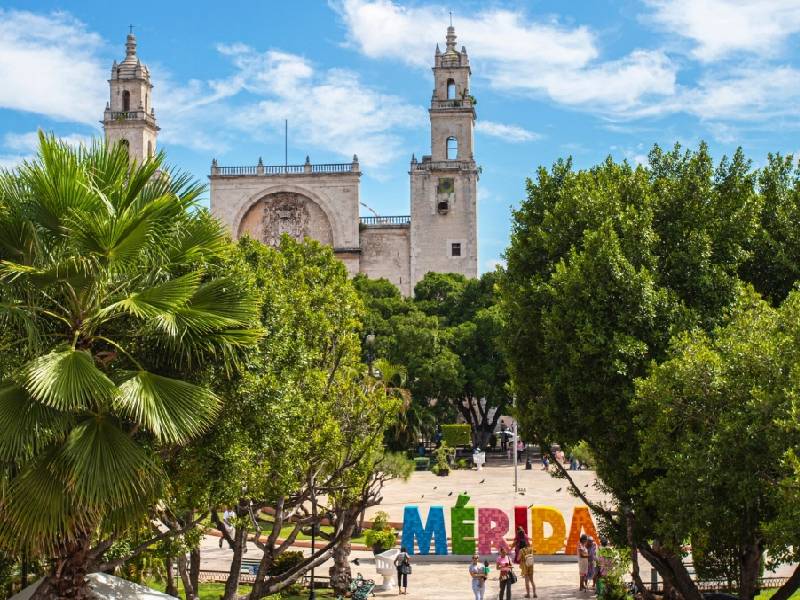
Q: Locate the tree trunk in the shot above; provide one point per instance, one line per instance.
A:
(68, 577)
(194, 569)
(672, 570)
(232, 585)
(172, 589)
(341, 574)
(788, 588)
(749, 570)
(183, 568)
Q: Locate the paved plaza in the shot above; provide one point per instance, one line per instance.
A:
(449, 580)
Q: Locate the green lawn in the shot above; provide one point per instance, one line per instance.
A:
(213, 591)
(768, 594)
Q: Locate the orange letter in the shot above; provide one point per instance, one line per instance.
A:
(547, 545)
(581, 520)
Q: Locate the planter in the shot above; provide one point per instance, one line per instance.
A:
(443, 473)
(378, 549)
(422, 463)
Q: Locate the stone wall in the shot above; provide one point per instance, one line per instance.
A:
(432, 233)
(385, 252)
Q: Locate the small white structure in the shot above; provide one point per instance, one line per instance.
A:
(384, 565)
(479, 458)
(107, 587)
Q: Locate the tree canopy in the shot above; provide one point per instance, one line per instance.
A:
(605, 267)
(111, 298)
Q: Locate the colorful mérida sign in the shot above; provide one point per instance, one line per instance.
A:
(493, 527)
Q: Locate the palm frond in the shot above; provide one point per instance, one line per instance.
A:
(38, 507)
(153, 302)
(27, 427)
(173, 410)
(107, 468)
(68, 380)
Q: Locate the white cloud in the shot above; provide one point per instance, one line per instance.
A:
(29, 141)
(719, 28)
(329, 109)
(509, 133)
(49, 65)
(11, 161)
(383, 29)
(515, 53)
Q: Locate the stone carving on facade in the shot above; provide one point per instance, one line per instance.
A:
(284, 213)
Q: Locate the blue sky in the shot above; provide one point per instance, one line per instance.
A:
(585, 78)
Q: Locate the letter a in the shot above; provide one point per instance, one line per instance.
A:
(581, 520)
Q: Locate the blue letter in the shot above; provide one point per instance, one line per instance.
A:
(412, 528)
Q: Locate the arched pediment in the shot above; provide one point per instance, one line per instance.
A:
(275, 213)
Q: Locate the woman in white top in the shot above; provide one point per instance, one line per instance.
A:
(478, 574)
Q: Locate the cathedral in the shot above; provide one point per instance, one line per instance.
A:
(322, 201)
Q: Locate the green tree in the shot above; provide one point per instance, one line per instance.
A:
(110, 297)
(301, 430)
(712, 428)
(449, 339)
(605, 266)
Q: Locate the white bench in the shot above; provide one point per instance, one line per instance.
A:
(384, 565)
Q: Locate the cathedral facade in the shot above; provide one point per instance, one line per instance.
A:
(322, 201)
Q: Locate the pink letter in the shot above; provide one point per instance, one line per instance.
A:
(492, 528)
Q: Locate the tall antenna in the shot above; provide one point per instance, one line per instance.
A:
(286, 142)
(451, 18)
(131, 29)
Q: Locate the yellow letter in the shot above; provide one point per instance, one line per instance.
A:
(547, 545)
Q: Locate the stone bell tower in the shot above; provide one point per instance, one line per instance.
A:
(444, 184)
(129, 117)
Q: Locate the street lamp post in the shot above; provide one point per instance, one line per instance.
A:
(312, 594)
(514, 447)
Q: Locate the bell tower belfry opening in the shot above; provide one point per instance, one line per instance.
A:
(129, 118)
(444, 183)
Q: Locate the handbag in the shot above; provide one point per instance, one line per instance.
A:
(512, 577)
(405, 567)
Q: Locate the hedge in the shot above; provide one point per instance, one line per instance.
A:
(457, 435)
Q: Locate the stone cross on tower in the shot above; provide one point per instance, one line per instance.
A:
(129, 118)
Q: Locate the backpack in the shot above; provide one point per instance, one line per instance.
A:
(529, 559)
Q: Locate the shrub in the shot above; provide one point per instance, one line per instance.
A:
(462, 463)
(286, 561)
(444, 454)
(457, 435)
(380, 540)
(382, 535)
(583, 454)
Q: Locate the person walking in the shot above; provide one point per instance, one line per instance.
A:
(591, 551)
(506, 569)
(583, 562)
(526, 562)
(478, 574)
(402, 563)
(503, 438)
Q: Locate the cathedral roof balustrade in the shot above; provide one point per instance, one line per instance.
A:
(131, 115)
(391, 220)
(271, 170)
(454, 103)
(443, 165)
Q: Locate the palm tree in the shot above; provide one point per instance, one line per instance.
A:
(112, 293)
